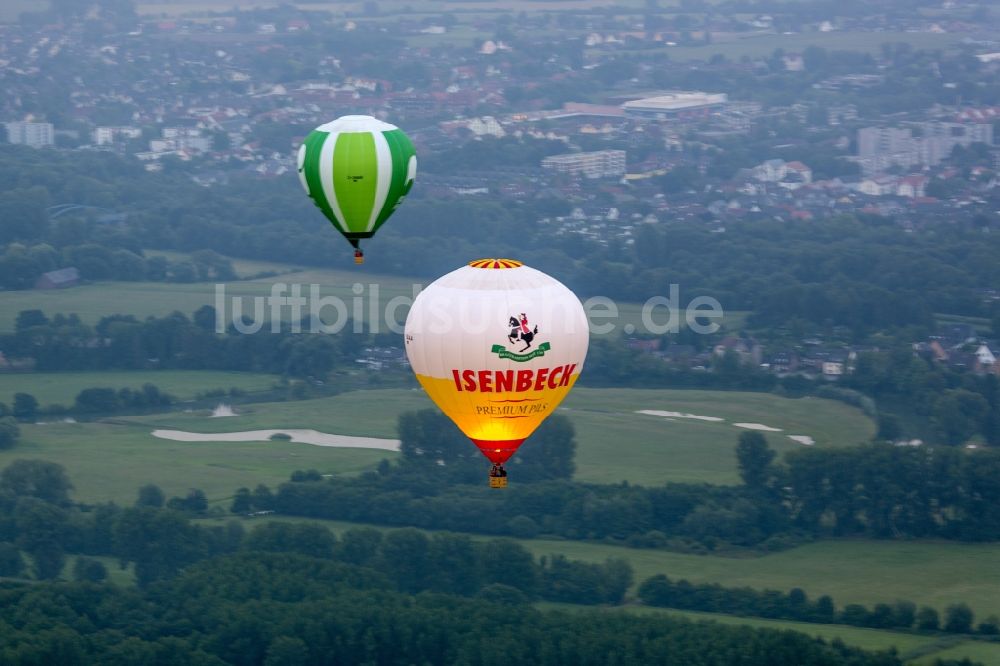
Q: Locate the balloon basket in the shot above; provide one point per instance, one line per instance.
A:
(498, 482)
(359, 258)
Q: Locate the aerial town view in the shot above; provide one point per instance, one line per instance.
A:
(500, 332)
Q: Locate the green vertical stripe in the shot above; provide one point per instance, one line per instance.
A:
(310, 166)
(355, 178)
(401, 150)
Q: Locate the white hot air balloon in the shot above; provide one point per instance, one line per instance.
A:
(497, 346)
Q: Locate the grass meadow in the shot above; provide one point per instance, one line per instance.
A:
(914, 649)
(62, 387)
(851, 571)
(108, 460)
(616, 444)
(148, 299)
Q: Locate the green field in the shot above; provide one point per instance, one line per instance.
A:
(914, 649)
(62, 387)
(987, 654)
(145, 299)
(613, 443)
(851, 571)
(359, 413)
(109, 460)
(980, 324)
(928, 573)
(245, 268)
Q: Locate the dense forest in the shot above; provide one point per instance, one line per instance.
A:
(281, 609)
(294, 593)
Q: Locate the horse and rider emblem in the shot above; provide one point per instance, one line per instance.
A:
(521, 332)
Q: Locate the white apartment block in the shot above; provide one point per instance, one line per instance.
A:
(106, 136)
(597, 164)
(882, 147)
(35, 135)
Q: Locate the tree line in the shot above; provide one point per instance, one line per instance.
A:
(90, 401)
(63, 342)
(22, 265)
(157, 535)
(659, 590)
(926, 398)
(10, 432)
(874, 490)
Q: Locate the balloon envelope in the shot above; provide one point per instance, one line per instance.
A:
(357, 170)
(497, 346)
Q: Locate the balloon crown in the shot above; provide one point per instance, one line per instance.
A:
(496, 263)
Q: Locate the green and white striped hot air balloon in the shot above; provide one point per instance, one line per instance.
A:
(357, 170)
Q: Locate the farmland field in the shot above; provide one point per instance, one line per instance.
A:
(914, 649)
(62, 387)
(931, 573)
(144, 299)
(108, 460)
(851, 571)
(245, 268)
(981, 652)
(615, 443)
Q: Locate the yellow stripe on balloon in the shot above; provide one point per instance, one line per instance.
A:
(495, 416)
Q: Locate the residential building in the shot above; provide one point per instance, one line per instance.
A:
(487, 125)
(770, 171)
(882, 147)
(789, 175)
(106, 136)
(35, 135)
(878, 186)
(597, 164)
(912, 186)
